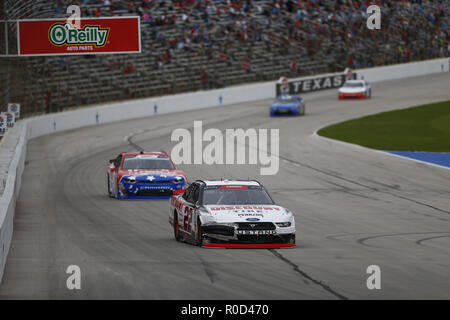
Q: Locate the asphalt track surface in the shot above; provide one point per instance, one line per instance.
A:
(353, 208)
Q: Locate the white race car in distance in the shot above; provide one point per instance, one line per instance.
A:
(355, 89)
(230, 214)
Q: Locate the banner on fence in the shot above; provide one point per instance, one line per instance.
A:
(95, 36)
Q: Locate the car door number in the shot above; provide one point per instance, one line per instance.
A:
(187, 218)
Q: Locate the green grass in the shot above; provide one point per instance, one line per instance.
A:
(422, 128)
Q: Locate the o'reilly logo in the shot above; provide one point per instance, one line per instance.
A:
(64, 33)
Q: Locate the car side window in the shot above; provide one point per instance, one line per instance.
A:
(195, 193)
(118, 161)
(186, 194)
(191, 194)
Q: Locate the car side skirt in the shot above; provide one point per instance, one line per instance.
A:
(165, 197)
(248, 246)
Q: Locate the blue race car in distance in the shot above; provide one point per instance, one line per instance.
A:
(287, 105)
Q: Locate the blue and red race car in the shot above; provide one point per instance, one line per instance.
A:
(287, 105)
(144, 175)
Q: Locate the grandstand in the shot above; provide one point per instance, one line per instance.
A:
(193, 45)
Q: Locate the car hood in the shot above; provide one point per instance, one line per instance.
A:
(247, 213)
(150, 175)
(352, 90)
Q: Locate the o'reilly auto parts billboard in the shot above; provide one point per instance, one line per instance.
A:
(95, 36)
(313, 84)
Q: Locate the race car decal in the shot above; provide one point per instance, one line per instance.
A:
(243, 208)
(187, 219)
(233, 187)
(177, 203)
(241, 215)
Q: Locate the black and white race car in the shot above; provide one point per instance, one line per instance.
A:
(230, 214)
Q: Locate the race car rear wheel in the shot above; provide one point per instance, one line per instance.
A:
(199, 239)
(176, 228)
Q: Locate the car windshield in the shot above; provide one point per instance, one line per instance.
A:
(147, 162)
(354, 85)
(286, 100)
(229, 196)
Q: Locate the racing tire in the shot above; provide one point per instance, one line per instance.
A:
(199, 239)
(176, 229)
(109, 186)
(116, 195)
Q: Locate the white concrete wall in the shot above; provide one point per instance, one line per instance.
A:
(51, 123)
(38, 126)
(11, 192)
(405, 70)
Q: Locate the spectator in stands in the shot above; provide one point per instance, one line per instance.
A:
(167, 56)
(156, 65)
(293, 68)
(129, 68)
(63, 63)
(246, 65)
(146, 17)
(350, 62)
(204, 80)
(47, 101)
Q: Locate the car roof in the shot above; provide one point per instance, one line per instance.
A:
(230, 182)
(355, 81)
(159, 153)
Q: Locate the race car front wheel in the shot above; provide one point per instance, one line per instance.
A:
(176, 227)
(109, 186)
(117, 192)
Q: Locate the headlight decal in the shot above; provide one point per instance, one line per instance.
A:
(283, 224)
